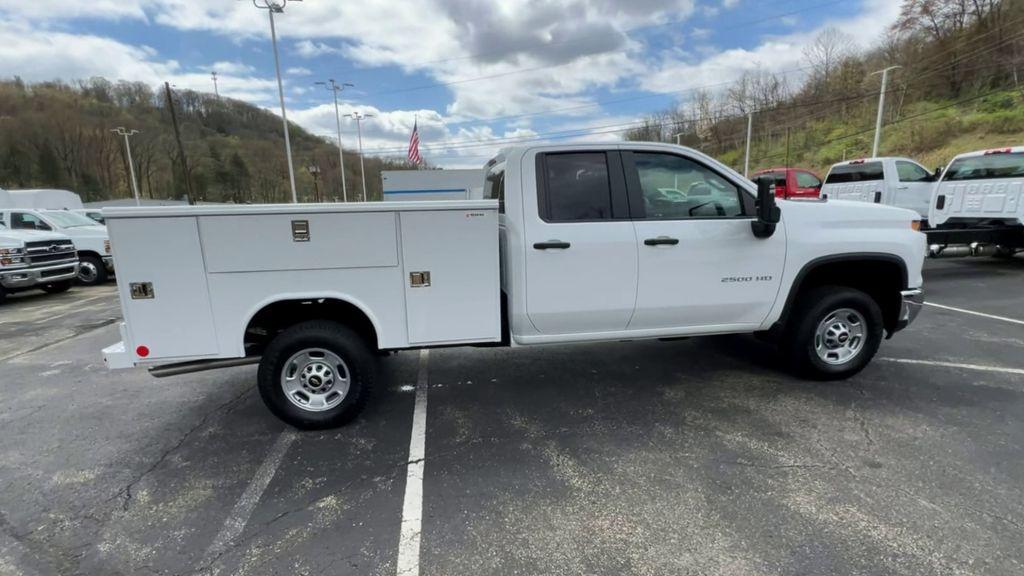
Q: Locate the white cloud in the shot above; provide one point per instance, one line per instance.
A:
(730, 3)
(298, 71)
(231, 68)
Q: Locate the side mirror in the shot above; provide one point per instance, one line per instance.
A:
(938, 173)
(768, 212)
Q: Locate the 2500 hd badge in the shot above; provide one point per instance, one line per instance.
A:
(731, 279)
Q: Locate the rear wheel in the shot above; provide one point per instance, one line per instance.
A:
(833, 334)
(57, 287)
(316, 375)
(91, 270)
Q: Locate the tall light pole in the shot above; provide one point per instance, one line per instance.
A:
(335, 88)
(746, 158)
(679, 138)
(359, 117)
(277, 7)
(121, 131)
(216, 91)
(881, 108)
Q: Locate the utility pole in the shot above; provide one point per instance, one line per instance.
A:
(881, 108)
(314, 171)
(277, 7)
(121, 131)
(335, 88)
(216, 91)
(750, 130)
(679, 138)
(359, 117)
(787, 146)
(181, 147)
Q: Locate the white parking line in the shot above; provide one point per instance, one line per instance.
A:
(239, 516)
(412, 508)
(973, 313)
(956, 365)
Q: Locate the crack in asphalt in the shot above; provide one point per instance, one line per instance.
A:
(75, 333)
(126, 491)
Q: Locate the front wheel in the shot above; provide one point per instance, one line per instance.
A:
(91, 270)
(833, 334)
(316, 375)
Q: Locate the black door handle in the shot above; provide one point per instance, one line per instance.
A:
(551, 244)
(661, 241)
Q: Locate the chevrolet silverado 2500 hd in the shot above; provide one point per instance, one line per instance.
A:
(30, 259)
(571, 244)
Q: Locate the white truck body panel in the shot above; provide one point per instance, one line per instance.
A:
(421, 185)
(215, 267)
(888, 188)
(981, 196)
(41, 199)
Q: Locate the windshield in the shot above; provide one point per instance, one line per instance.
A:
(69, 219)
(855, 173)
(987, 167)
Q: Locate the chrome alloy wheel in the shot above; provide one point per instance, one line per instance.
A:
(315, 379)
(840, 336)
(87, 272)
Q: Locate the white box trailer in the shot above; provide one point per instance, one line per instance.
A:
(41, 199)
(419, 185)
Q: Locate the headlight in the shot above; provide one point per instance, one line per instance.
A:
(12, 256)
(12, 251)
(106, 246)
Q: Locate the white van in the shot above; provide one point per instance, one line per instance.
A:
(983, 187)
(899, 182)
(91, 239)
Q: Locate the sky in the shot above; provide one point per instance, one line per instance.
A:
(475, 74)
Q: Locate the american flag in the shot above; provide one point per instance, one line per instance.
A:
(414, 145)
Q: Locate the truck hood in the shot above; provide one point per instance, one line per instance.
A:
(19, 236)
(86, 232)
(840, 212)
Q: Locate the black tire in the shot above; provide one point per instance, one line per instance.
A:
(57, 287)
(3, 295)
(813, 307)
(340, 340)
(95, 273)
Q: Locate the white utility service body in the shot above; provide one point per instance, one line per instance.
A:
(899, 182)
(572, 243)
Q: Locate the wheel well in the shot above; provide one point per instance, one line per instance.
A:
(881, 278)
(274, 318)
(88, 253)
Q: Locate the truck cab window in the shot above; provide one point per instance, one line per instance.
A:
(847, 173)
(807, 180)
(578, 187)
(987, 167)
(24, 221)
(678, 188)
(910, 172)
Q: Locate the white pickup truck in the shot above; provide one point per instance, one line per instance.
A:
(30, 259)
(899, 182)
(90, 238)
(573, 243)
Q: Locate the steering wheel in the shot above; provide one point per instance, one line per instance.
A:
(719, 209)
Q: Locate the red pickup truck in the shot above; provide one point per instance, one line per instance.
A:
(793, 182)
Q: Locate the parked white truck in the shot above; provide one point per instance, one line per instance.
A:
(573, 243)
(980, 200)
(90, 238)
(899, 182)
(30, 260)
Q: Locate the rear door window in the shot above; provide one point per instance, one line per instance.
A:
(577, 187)
(807, 180)
(865, 172)
(987, 167)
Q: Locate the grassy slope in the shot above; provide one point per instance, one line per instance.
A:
(994, 121)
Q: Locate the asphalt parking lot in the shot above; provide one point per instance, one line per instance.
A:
(686, 457)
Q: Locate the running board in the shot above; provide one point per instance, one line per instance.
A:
(200, 366)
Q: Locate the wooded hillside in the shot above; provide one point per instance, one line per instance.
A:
(958, 88)
(59, 135)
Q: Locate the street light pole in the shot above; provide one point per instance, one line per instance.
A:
(216, 91)
(881, 108)
(335, 88)
(359, 117)
(121, 131)
(272, 7)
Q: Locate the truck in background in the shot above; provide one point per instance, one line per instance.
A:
(899, 182)
(792, 183)
(979, 201)
(31, 259)
(572, 243)
(90, 239)
(41, 199)
(416, 185)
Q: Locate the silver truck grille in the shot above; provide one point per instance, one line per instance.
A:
(50, 251)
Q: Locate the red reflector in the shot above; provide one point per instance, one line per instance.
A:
(856, 161)
(142, 351)
(999, 151)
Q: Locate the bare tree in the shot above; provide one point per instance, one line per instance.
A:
(828, 49)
